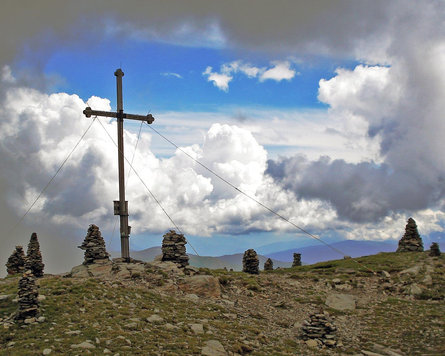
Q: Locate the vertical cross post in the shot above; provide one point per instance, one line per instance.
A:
(121, 206)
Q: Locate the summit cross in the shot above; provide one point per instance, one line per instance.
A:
(121, 206)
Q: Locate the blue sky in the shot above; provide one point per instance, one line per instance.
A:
(330, 113)
(150, 81)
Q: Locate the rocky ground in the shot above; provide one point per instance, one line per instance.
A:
(156, 309)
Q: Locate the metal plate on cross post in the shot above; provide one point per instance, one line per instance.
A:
(117, 209)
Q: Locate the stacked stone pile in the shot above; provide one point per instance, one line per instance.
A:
(268, 265)
(434, 250)
(319, 329)
(411, 240)
(94, 246)
(33, 259)
(16, 262)
(251, 262)
(27, 298)
(173, 248)
(297, 260)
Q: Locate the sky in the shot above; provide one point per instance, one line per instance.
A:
(328, 112)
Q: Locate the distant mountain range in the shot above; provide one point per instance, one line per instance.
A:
(309, 254)
(319, 253)
(234, 261)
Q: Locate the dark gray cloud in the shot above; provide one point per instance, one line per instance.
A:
(319, 26)
(363, 192)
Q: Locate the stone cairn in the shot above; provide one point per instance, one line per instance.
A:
(411, 240)
(268, 265)
(319, 329)
(173, 248)
(434, 250)
(250, 262)
(33, 259)
(16, 262)
(297, 260)
(94, 246)
(27, 298)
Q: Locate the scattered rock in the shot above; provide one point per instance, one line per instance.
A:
(94, 246)
(313, 343)
(297, 260)
(33, 259)
(84, 345)
(192, 297)
(412, 270)
(268, 265)
(414, 290)
(16, 262)
(197, 328)
(411, 240)
(213, 348)
(154, 319)
(385, 274)
(250, 262)
(201, 285)
(434, 250)
(341, 301)
(46, 351)
(385, 350)
(173, 248)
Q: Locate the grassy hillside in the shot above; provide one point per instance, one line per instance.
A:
(259, 315)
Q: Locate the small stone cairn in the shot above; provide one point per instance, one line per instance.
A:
(33, 259)
(251, 262)
(173, 248)
(94, 246)
(434, 250)
(411, 240)
(297, 260)
(16, 262)
(27, 298)
(320, 329)
(268, 265)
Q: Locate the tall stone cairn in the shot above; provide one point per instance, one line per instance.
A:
(250, 262)
(33, 259)
(173, 248)
(319, 328)
(27, 298)
(16, 262)
(94, 246)
(297, 260)
(411, 240)
(268, 265)
(434, 250)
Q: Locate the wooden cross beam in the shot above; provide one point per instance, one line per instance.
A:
(121, 206)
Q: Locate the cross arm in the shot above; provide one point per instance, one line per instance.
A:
(148, 118)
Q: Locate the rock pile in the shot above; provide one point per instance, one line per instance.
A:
(16, 262)
(173, 248)
(250, 262)
(94, 246)
(411, 240)
(33, 259)
(268, 265)
(319, 329)
(297, 260)
(434, 250)
(27, 298)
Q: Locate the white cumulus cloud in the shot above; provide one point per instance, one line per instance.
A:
(280, 71)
